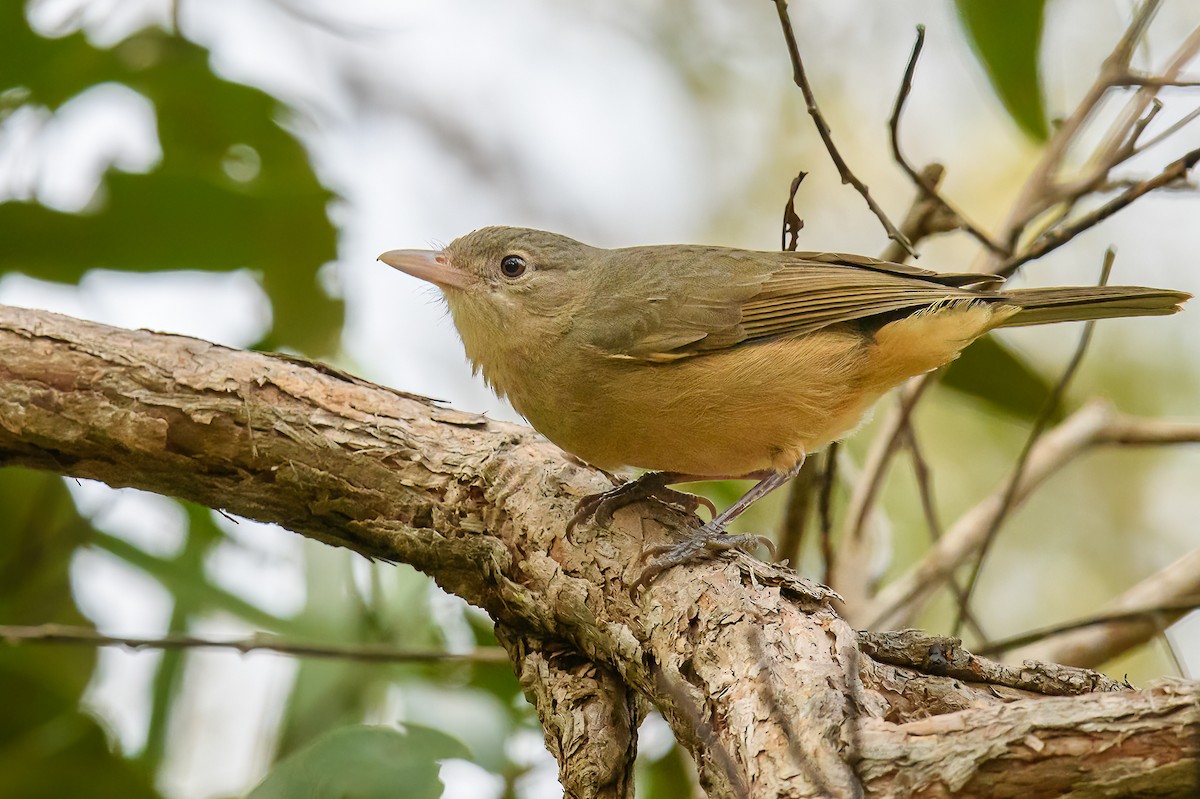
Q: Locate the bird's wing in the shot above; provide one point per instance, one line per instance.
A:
(724, 298)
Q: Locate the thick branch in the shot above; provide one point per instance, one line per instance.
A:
(757, 676)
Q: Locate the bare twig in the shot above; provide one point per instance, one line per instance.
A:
(810, 101)
(1038, 194)
(933, 523)
(1094, 424)
(1159, 616)
(1170, 590)
(1039, 426)
(801, 493)
(1175, 171)
(929, 187)
(1155, 82)
(825, 511)
(369, 653)
(1174, 128)
(885, 445)
(849, 576)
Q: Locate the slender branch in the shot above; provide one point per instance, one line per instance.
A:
(1159, 616)
(1053, 401)
(927, 187)
(825, 512)
(850, 579)
(934, 524)
(789, 235)
(1175, 171)
(1037, 194)
(801, 494)
(1092, 425)
(810, 101)
(1170, 589)
(366, 653)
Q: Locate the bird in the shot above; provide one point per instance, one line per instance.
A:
(699, 362)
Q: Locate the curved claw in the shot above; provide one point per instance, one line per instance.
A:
(707, 542)
(601, 507)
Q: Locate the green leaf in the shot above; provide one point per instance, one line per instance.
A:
(990, 371)
(234, 188)
(363, 763)
(48, 747)
(666, 778)
(1006, 36)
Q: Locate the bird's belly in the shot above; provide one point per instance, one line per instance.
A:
(729, 413)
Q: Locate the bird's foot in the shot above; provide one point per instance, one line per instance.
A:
(652, 485)
(707, 542)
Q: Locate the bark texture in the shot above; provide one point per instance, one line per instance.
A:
(756, 673)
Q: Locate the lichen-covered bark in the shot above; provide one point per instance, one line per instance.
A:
(753, 669)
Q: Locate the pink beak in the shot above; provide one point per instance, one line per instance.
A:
(431, 265)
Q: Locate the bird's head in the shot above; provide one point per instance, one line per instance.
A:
(505, 286)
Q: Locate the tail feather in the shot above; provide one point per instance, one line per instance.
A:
(1072, 304)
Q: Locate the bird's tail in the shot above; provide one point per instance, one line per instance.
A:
(1072, 304)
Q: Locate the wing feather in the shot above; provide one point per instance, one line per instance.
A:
(701, 299)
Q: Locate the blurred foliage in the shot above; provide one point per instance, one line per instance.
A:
(233, 189)
(994, 374)
(1006, 37)
(363, 762)
(49, 747)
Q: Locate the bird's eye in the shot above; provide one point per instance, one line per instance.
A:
(512, 266)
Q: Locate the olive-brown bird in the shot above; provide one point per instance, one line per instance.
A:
(707, 362)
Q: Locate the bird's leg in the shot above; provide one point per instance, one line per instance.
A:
(602, 506)
(711, 539)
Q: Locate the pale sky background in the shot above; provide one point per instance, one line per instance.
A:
(619, 123)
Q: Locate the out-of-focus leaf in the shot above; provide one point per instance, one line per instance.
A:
(365, 763)
(666, 778)
(994, 373)
(1006, 36)
(233, 190)
(48, 748)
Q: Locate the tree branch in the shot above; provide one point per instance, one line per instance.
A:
(365, 653)
(1092, 425)
(755, 673)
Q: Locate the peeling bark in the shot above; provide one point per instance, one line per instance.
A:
(755, 672)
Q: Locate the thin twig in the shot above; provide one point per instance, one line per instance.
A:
(1053, 400)
(801, 493)
(933, 523)
(1173, 610)
(1178, 582)
(1176, 170)
(1037, 195)
(1095, 424)
(925, 216)
(370, 653)
(1155, 82)
(825, 512)
(810, 101)
(1174, 128)
(927, 187)
(884, 446)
